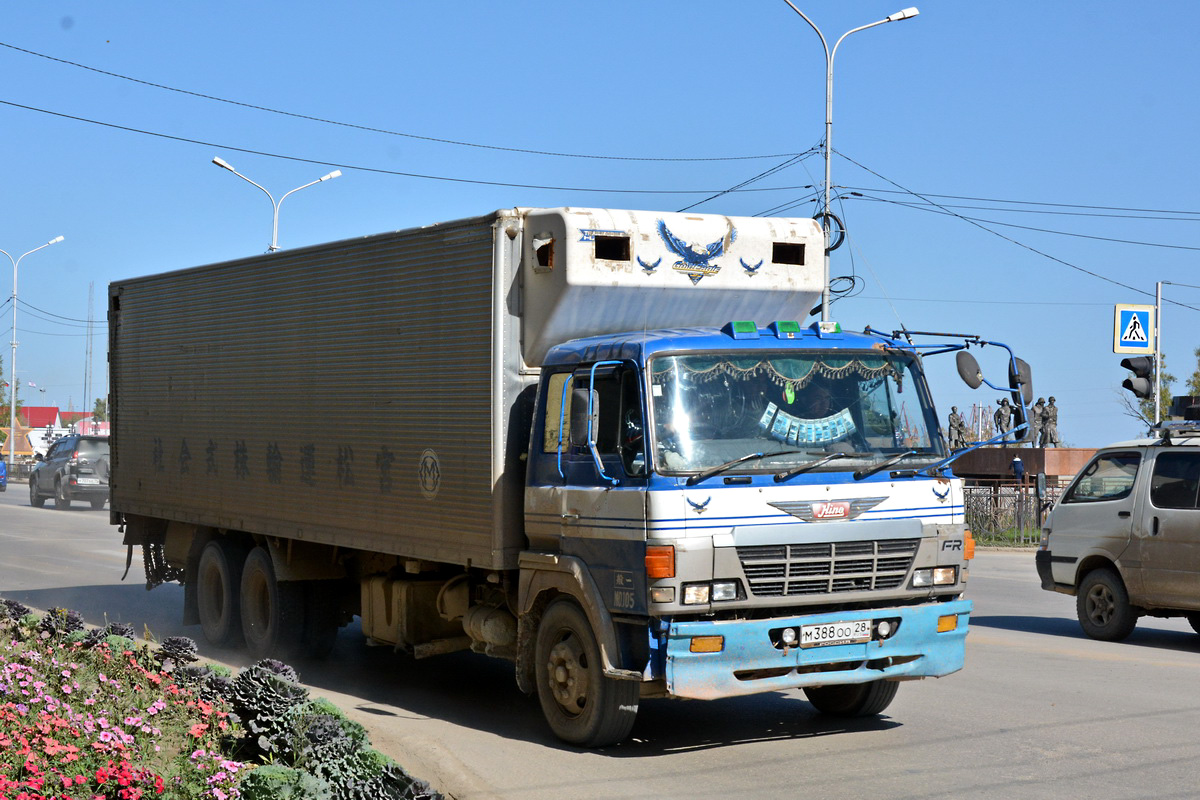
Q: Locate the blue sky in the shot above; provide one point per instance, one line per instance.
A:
(1032, 103)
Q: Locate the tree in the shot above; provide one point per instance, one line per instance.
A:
(100, 412)
(1193, 383)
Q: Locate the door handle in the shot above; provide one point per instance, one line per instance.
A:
(1123, 514)
(1154, 527)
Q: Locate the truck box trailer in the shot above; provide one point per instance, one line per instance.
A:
(595, 442)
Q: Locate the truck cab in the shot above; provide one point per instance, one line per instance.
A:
(733, 494)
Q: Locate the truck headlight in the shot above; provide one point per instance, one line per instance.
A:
(945, 576)
(724, 590)
(717, 591)
(935, 576)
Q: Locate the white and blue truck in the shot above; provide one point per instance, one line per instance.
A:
(597, 443)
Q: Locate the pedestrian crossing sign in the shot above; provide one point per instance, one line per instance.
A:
(1133, 329)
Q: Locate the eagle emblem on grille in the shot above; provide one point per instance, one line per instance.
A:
(828, 510)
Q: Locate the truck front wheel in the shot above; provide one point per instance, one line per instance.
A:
(582, 706)
(272, 611)
(853, 699)
(218, 584)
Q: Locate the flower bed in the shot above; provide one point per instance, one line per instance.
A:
(91, 714)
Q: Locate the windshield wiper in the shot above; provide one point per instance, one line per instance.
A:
(708, 473)
(882, 465)
(806, 466)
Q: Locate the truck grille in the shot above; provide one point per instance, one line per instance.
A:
(827, 568)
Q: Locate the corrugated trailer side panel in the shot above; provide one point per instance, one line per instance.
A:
(339, 393)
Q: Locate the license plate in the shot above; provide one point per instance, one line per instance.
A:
(88, 481)
(832, 633)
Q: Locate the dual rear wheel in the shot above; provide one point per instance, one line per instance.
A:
(240, 599)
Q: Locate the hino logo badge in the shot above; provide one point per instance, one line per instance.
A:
(836, 510)
(828, 510)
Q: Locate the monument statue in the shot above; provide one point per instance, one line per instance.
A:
(1050, 425)
(958, 430)
(1003, 418)
(1035, 422)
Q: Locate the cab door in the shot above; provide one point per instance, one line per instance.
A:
(604, 491)
(1167, 533)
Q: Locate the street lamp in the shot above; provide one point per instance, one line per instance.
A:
(907, 13)
(12, 366)
(223, 164)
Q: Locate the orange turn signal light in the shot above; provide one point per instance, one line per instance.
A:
(947, 623)
(968, 545)
(707, 644)
(660, 561)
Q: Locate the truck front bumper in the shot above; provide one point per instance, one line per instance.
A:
(750, 661)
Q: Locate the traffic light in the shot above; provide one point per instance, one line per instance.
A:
(1142, 382)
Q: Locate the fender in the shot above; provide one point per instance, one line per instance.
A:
(553, 573)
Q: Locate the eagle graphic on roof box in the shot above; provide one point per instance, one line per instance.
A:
(694, 259)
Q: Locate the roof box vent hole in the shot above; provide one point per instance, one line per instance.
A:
(612, 248)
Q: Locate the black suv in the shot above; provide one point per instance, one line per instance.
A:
(75, 468)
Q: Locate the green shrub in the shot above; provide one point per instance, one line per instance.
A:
(276, 782)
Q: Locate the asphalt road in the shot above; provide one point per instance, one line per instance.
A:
(1040, 710)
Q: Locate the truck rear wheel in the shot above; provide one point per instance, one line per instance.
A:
(218, 588)
(272, 611)
(582, 706)
(853, 699)
(1102, 606)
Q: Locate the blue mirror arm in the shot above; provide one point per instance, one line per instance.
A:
(591, 434)
(934, 469)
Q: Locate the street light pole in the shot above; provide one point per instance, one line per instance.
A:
(12, 366)
(907, 13)
(223, 164)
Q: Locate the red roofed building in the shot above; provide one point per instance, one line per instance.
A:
(39, 416)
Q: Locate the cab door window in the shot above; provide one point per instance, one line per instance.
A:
(618, 425)
(1108, 477)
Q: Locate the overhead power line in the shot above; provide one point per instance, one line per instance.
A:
(934, 208)
(1012, 202)
(369, 129)
(377, 170)
(1009, 239)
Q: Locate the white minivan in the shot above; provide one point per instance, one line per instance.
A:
(1125, 537)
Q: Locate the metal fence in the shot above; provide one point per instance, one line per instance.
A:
(1006, 513)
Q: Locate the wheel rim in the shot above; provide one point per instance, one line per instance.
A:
(1100, 605)
(568, 674)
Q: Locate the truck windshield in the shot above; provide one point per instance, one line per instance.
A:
(711, 409)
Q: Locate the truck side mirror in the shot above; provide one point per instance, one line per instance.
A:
(1021, 378)
(581, 423)
(968, 369)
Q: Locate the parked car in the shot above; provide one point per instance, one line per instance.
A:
(1125, 537)
(74, 468)
(3, 476)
